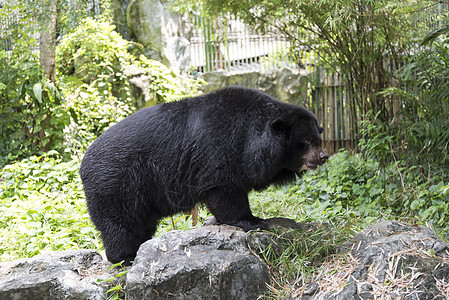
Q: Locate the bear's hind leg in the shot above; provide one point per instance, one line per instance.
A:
(122, 245)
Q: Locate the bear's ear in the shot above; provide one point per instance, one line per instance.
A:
(280, 125)
(320, 129)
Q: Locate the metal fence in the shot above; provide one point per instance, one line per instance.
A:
(226, 43)
(8, 24)
(13, 18)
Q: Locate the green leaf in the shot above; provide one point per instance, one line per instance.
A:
(115, 288)
(73, 115)
(37, 128)
(119, 264)
(433, 35)
(100, 280)
(37, 89)
(19, 92)
(120, 274)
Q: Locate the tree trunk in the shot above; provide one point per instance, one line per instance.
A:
(47, 44)
(47, 49)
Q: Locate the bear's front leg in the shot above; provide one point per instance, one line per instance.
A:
(232, 208)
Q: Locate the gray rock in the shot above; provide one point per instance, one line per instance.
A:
(140, 84)
(286, 84)
(389, 260)
(211, 262)
(55, 275)
(163, 34)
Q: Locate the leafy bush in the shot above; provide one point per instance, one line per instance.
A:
(91, 62)
(31, 115)
(372, 191)
(94, 50)
(95, 66)
(420, 134)
(32, 118)
(166, 86)
(92, 111)
(408, 186)
(42, 208)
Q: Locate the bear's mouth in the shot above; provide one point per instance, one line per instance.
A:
(307, 166)
(311, 166)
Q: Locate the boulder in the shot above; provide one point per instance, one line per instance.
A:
(68, 274)
(163, 34)
(389, 260)
(212, 262)
(140, 87)
(286, 84)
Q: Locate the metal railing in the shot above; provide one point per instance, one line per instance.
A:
(226, 43)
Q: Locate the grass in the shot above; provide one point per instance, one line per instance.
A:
(42, 209)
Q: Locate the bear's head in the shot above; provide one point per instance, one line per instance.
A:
(314, 155)
(303, 142)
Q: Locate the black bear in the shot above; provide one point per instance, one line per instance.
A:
(212, 149)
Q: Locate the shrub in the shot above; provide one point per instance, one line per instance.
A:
(94, 50)
(95, 66)
(372, 191)
(420, 134)
(42, 208)
(32, 117)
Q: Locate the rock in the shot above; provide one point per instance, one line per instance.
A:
(140, 87)
(57, 275)
(211, 262)
(286, 84)
(389, 260)
(163, 34)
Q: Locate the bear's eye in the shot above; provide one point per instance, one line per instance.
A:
(308, 141)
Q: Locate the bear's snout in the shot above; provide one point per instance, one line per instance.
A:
(313, 158)
(322, 157)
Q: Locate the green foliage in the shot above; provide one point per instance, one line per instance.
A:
(32, 112)
(420, 135)
(394, 191)
(93, 91)
(92, 111)
(91, 62)
(166, 86)
(32, 118)
(117, 291)
(31, 115)
(42, 208)
(95, 66)
(94, 50)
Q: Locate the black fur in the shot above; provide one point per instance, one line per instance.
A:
(214, 149)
